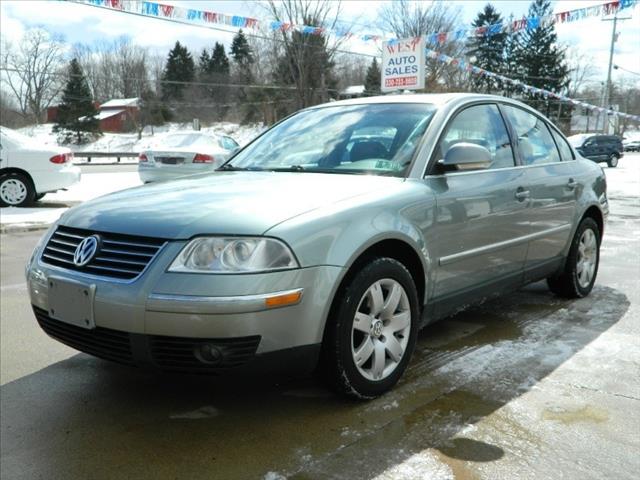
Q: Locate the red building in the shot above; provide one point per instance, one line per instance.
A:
(119, 115)
(115, 116)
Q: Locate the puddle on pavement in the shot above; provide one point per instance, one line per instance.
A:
(587, 413)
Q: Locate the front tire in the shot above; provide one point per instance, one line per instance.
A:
(612, 162)
(372, 332)
(581, 268)
(15, 190)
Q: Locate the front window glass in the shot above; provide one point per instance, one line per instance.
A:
(534, 139)
(376, 138)
(484, 126)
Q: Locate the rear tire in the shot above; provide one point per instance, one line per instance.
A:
(372, 330)
(613, 160)
(581, 268)
(16, 190)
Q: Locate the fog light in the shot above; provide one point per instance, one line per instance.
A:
(208, 353)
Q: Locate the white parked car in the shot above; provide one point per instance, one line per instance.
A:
(29, 170)
(180, 154)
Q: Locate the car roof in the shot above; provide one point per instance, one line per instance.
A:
(428, 98)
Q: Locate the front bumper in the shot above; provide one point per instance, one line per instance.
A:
(179, 354)
(198, 307)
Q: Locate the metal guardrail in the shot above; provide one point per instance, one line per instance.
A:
(117, 155)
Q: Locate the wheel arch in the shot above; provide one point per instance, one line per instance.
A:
(8, 170)
(397, 248)
(594, 212)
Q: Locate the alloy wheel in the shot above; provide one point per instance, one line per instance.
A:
(381, 329)
(587, 257)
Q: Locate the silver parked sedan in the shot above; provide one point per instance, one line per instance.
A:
(331, 239)
(185, 153)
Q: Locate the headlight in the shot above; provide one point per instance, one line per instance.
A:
(233, 255)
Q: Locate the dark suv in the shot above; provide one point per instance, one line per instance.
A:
(599, 148)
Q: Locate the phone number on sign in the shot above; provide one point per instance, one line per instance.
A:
(400, 82)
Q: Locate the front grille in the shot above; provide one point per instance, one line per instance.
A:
(101, 342)
(118, 256)
(178, 354)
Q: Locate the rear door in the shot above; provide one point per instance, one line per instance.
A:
(553, 188)
(481, 223)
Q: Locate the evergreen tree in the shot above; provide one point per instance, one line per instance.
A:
(77, 111)
(541, 62)
(179, 68)
(373, 79)
(247, 98)
(219, 74)
(219, 60)
(487, 47)
(204, 64)
(240, 49)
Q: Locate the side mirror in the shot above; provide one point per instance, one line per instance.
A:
(467, 156)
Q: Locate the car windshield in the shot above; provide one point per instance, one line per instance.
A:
(180, 140)
(376, 138)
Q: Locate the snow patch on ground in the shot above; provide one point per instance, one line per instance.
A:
(420, 466)
(624, 180)
(129, 142)
(274, 476)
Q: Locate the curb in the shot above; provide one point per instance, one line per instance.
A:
(24, 228)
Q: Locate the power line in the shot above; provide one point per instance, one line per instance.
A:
(618, 67)
(170, 82)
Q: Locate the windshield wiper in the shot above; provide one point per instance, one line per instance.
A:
(232, 168)
(290, 168)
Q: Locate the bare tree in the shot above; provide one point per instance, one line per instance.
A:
(115, 69)
(582, 69)
(308, 57)
(32, 71)
(406, 19)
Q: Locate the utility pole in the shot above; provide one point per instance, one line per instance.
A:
(607, 88)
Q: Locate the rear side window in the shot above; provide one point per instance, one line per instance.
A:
(565, 151)
(482, 125)
(228, 143)
(535, 143)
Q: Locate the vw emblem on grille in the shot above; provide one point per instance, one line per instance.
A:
(86, 250)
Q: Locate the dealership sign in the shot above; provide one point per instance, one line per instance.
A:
(403, 64)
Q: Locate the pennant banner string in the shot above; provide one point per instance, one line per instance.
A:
(154, 9)
(469, 67)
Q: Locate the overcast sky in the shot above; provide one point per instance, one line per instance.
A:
(86, 24)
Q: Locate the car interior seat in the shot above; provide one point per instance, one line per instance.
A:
(368, 149)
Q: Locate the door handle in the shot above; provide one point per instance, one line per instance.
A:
(571, 184)
(522, 194)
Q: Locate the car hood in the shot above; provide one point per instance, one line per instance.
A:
(227, 203)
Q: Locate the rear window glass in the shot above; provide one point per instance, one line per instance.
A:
(178, 140)
(565, 150)
(534, 139)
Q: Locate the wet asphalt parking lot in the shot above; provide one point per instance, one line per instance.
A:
(524, 387)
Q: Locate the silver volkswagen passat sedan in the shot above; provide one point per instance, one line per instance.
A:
(328, 241)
